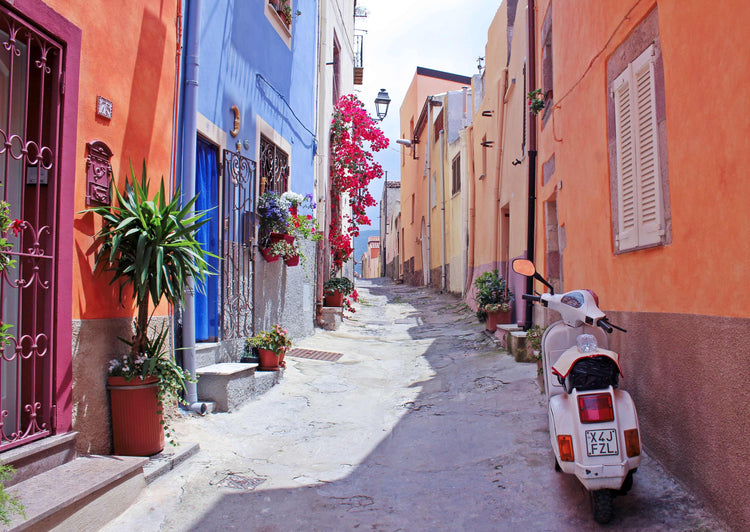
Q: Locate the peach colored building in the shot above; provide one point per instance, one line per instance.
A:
(641, 196)
(498, 185)
(419, 259)
(371, 259)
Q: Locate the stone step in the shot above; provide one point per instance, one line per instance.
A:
(230, 384)
(206, 354)
(41, 455)
(80, 495)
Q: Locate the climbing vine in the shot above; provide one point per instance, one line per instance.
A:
(354, 137)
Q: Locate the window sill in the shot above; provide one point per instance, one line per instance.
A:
(279, 25)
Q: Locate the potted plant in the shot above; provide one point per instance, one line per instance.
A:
(536, 101)
(534, 344)
(301, 225)
(149, 244)
(493, 299)
(336, 289)
(273, 212)
(272, 346)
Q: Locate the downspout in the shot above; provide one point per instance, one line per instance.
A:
(189, 149)
(429, 188)
(501, 118)
(530, 242)
(322, 187)
(472, 208)
(442, 206)
(464, 195)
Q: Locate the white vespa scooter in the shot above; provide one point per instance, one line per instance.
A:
(593, 426)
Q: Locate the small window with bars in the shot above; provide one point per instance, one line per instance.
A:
(273, 166)
(456, 174)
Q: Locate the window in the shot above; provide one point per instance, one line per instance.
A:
(412, 208)
(547, 73)
(640, 220)
(273, 166)
(336, 93)
(456, 174)
(279, 15)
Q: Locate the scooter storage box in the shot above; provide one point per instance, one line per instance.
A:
(592, 373)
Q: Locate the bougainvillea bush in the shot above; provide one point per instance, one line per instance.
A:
(354, 138)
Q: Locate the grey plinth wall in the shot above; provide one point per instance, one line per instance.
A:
(286, 295)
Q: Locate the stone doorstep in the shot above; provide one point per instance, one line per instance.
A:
(59, 496)
(230, 384)
(205, 353)
(33, 458)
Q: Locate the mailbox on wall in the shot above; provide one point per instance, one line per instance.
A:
(98, 173)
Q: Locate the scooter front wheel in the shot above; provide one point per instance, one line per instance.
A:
(602, 506)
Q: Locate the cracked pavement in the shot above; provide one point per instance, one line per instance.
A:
(423, 424)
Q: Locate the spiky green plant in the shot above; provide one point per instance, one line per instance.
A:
(150, 244)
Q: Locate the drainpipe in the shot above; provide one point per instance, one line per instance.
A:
(189, 149)
(429, 188)
(472, 208)
(501, 117)
(443, 282)
(530, 243)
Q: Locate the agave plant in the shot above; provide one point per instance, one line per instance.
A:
(150, 244)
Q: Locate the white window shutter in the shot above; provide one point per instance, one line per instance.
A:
(650, 226)
(627, 220)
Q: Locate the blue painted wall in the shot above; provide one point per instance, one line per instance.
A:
(239, 44)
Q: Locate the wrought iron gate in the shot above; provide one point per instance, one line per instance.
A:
(30, 70)
(237, 238)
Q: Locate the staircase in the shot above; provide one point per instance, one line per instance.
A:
(58, 489)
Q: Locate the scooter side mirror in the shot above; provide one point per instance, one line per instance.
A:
(524, 267)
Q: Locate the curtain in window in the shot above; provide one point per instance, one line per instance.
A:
(207, 189)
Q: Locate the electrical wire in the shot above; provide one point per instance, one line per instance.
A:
(283, 99)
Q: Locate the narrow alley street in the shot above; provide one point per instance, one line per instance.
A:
(422, 424)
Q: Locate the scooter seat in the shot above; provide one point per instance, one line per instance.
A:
(570, 356)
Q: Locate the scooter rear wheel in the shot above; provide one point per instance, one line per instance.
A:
(602, 506)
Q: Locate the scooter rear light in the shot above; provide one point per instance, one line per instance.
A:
(632, 443)
(595, 408)
(565, 443)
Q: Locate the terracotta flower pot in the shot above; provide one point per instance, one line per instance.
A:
(335, 299)
(136, 421)
(269, 361)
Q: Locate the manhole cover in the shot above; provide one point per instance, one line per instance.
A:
(328, 356)
(240, 482)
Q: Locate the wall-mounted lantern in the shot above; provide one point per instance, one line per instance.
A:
(381, 104)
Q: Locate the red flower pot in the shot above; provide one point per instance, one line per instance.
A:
(496, 318)
(136, 421)
(269, 361)
(266, 252)
(291, 261)
(335, 299)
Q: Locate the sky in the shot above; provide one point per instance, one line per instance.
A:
(447, 35)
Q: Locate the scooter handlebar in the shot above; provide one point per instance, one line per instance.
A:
(531, 297)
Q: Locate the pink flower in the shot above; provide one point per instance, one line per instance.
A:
(17, 226)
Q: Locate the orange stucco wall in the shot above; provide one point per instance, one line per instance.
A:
(704, 267)
(127, 56)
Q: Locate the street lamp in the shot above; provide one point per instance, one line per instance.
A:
(381, 104)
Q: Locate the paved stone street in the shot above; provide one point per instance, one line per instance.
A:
(423, 424)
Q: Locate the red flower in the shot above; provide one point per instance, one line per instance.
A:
(17, 226)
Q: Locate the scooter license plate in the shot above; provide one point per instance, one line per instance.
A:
(601, 442)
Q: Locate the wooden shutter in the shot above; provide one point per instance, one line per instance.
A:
(650, 227)
(627, 224)
(639, 202)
